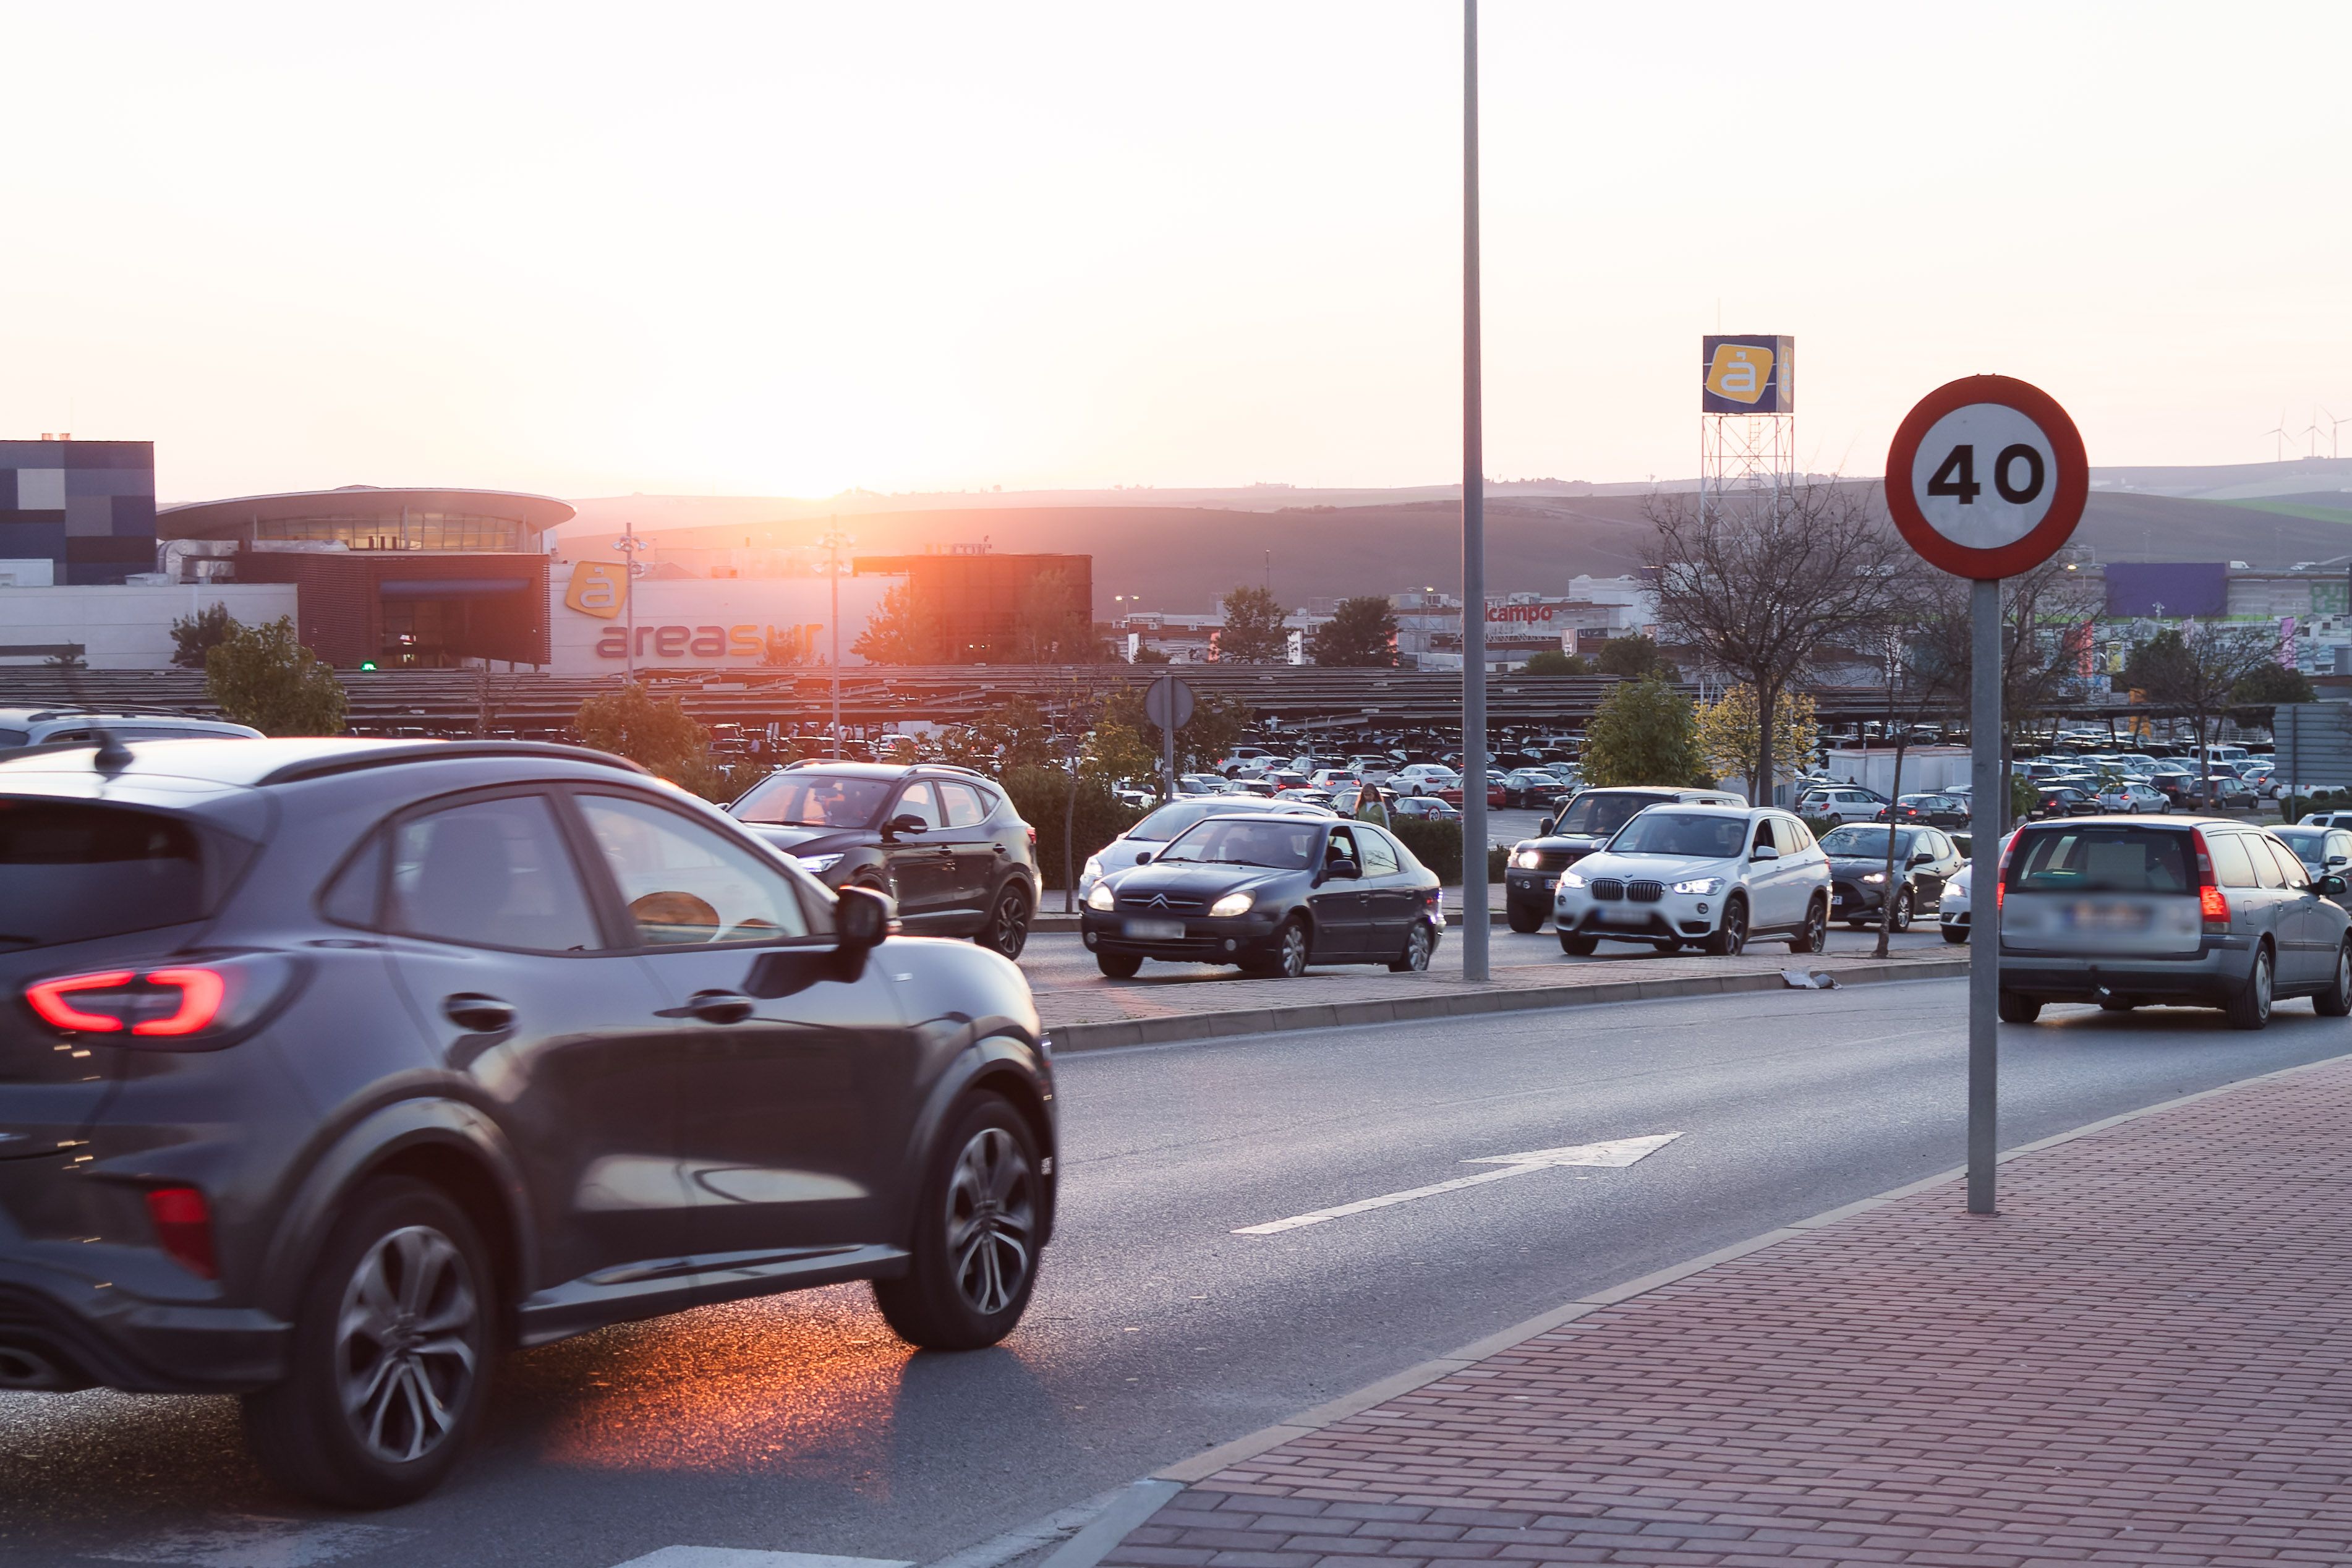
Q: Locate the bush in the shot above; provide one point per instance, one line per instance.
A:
(1820, 826)
(1042, 797)
(2294, 807)
(1438, 845)
(263, 677)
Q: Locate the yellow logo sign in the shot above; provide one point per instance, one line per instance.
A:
(1740, 372)
(599, 588)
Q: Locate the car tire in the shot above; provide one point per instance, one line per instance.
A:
(403, 1288)
(1956, 935)
(2250, 1008)
(1120, 965)
(973, 1260)
(1577, 946)
(1816, 934)
(2336, 1002)
(1729, 939)
(2016, 1009)
(1900, 918)
(1007, 931)
(1524, 922)
(1419, 943)
(1293, 946)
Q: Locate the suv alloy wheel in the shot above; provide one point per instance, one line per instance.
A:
(1008, 920)
(976, 1225)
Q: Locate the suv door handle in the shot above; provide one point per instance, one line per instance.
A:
(720, 1006)
(483, 1014)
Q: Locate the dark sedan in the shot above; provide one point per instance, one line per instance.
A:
(1925, 860)
(1533, 787)
(1935, 810)
(2065, 800)
(1272, 894)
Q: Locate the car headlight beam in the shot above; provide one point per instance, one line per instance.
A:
(1527, 859)
(818, 865)
(1874, 876)
(1570, 880)
(1705, 886)
(1231, 904)
(1101, 898)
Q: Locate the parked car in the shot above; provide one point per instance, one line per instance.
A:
(2126, 911)
(1270, 893)
(1939, 810)
(70, 725)
(1845, 802)
(337, 1066)
(1144, 840)
(2134, 797)
(1204, 783)
(1952, 909)
(1533, 787)
(1531, 875)
(1706, 875)
(2064, 800)
(1246, 762)
(1452, 795)
(944, 842)
(2323, 851)
(1924, 861)
(1425, 778)
(1428, 807)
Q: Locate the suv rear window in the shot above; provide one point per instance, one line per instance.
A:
(2100, 859)
(70, 872)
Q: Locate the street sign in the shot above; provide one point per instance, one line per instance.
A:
(1986, 476)
(1166, 693)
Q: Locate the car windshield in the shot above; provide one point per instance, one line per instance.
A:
(1856, 842)
(1706, 837)
(1597, 814)
(814, 800)
(1246, 841)
(2092, 858)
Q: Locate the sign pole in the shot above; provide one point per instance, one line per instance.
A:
(1989, 796)
(1167, 740)
(1475, 917)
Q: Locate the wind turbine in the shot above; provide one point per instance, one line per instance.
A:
(2278, 430)
(2334, 424)
(2314, 432)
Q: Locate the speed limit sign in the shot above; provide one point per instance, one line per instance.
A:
(1987, 477)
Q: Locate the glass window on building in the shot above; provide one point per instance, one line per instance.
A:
(413, 530)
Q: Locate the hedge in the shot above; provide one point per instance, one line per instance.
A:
(1043, 794)
(1438, 845)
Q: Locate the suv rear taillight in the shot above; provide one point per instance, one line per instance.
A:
(170, 1006)
(2213, 908)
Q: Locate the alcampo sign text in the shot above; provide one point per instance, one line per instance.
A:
(600, 588)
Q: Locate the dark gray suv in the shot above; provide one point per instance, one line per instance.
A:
(330, 1068)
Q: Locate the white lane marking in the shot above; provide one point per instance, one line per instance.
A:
(738, 1557)
(1614, 1152)
(254, 1541)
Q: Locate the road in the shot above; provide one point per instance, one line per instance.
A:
(801, 1424)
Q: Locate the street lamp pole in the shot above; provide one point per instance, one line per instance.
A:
(628, 544)
(1475, 921)
(833, 542)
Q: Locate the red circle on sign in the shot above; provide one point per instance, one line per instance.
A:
(2071, 484)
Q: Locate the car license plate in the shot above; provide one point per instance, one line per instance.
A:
(1623, 918)
(1155, 931)
(2091, 916)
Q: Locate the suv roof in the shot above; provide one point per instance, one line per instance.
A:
(284, 761)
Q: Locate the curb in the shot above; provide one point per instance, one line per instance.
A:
(1113, 1034)
(1201, 1466)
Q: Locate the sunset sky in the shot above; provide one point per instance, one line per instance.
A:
(782, 249)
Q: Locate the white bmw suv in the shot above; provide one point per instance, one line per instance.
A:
(1709, 876)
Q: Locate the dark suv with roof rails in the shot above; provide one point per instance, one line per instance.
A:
(944, 842)
(328, 1068)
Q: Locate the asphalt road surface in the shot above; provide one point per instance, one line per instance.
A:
(800, 1424)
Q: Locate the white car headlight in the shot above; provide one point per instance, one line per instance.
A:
(1527, 859)
(1230, 905)
(818, 865)
(1701, 885)
(1101, 898)
(1570, 880)
(1874, 876)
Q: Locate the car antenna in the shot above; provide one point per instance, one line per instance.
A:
(112, 756)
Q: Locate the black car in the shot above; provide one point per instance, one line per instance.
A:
(1925, 860)
(944, 842)
(1589, 821)
(331, 1069)
(1272, 894)
(2065, 800)
(1935, 810)
(1525, 788)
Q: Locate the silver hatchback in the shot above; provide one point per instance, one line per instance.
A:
(2126, 911)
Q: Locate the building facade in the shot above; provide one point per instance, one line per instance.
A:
(85, 508)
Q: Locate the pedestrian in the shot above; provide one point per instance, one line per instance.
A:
(1369, 806)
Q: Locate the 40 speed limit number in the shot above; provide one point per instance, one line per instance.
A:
(1986, 476)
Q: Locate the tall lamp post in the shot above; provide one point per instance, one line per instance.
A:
(1475, 921)
(628, 544)
(834, 539)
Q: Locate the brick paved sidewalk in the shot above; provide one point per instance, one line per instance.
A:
(2146, 1358)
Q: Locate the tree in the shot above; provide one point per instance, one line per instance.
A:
(1050, 625)
(1254, 631)
(655, 733)
(1215, 729)
(263, 677)
(1762, 584)
(1551, 661)
(2257, 695)
(1633, 658)
(783, 647)
(194, 636)
(1643, 733)
(1926, 617)
(1360, 634)
(903, 630)
(1146, 654)
(2196, 670)
(1729, 741)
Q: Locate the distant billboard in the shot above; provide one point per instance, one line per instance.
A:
(1749, 375)
(2168, 590)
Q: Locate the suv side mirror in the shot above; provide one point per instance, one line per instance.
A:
(1764, 852)
(861, 918)
(905, 822)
